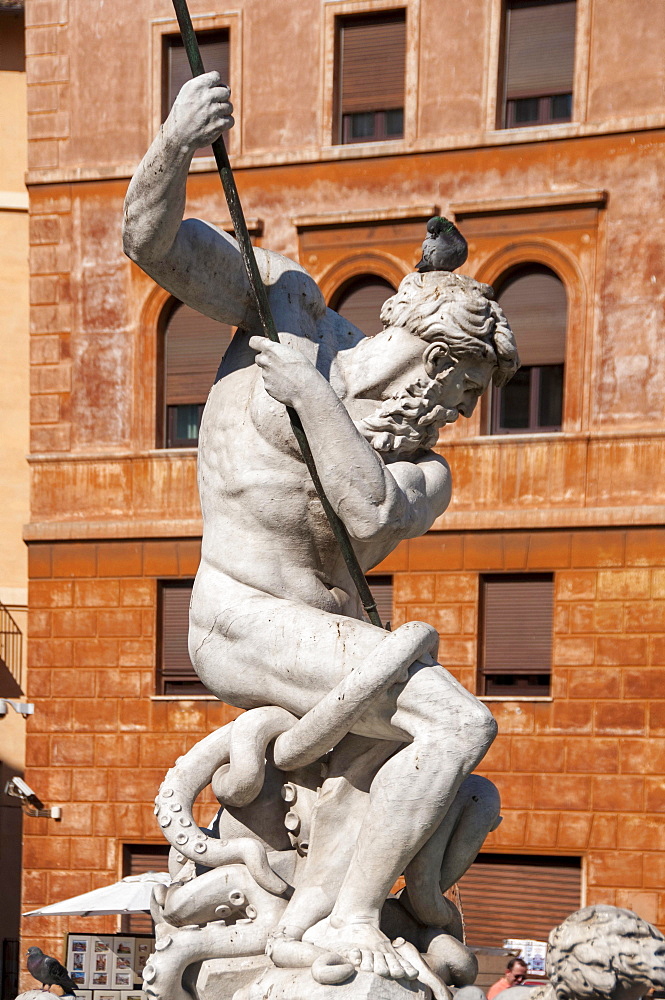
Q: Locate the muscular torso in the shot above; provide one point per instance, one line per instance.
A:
(264, 527)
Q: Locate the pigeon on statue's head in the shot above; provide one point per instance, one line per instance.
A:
(444, 247)
(49, 972)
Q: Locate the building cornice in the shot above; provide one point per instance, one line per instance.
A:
(374, 150)
(452, 522)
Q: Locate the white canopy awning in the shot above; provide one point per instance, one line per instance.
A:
(130, 895)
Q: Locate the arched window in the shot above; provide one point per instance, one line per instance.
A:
(534, 301)
(193, 349)
(360, 301)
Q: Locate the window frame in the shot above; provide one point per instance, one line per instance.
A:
(166, 416)
(159, 27)
(332, 11)
(387, 581)
(505, 107)
(533, 427)
(513, 689)
(174, 40)
(161, 679)
(544, 116)
(342, 121)
(487, 898)
(493, 75)
(140, 924)
(491, 418)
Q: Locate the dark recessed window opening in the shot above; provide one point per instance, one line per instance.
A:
(175, 673)
(12, 40)
(381, 586)
(360, 301)
(193, 349)
(539, 57)
(369, 80)
(214, 46)
(137, 860)
(516, 633)
(534, 301)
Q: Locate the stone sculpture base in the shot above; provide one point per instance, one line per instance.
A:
(221, 978)
(297, 984)
(257, 978)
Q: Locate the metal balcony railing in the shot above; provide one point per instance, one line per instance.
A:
(11, 645)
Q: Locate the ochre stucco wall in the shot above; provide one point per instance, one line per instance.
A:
(580, 773)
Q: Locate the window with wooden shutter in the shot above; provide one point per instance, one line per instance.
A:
(137, 860)
(176, 674)
(360, 302)
(214, 46)
(539, 45)
(382, 591)
(535, 303)
(516, 633)
(518, 896)
(193, 349)
(371, 58)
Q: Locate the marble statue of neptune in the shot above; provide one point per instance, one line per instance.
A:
(275, 621)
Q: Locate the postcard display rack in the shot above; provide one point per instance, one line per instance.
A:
(108, 966)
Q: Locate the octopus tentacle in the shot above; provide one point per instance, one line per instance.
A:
(327, 967)
(250, 736)
(176, 948)
(176, 796)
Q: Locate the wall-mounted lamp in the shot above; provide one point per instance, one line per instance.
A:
(31, 804)
(23, 708)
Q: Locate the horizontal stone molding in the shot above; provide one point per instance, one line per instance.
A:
(370, 150)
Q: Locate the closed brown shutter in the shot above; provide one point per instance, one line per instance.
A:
(362, 303)
(194, 349)
(540, 48)
(177, 675)
(536, 307)
(518, 896)
(517, 623)
(382, 591)
(138, 859)
(175, 627)
(371, 62)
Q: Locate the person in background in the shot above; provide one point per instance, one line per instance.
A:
(515, 974)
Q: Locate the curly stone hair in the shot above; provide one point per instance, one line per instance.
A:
(605, 953)
(458, 311)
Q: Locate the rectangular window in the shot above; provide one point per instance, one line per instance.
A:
(175, 674)
(138, 859)
(370, 64)
(214, 46)
(518, 896)
(535, 302)
(194, 346)
(516, 633)
(382, 592)
(531, 402)
(539, 56)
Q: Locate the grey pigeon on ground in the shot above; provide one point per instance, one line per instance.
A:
(48, 971)
(444, 247)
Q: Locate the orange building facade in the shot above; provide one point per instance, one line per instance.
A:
(581, 766)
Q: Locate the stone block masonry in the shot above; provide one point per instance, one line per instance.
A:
(580, 773)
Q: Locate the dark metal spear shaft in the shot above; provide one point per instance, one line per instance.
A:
(267, 322)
